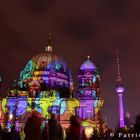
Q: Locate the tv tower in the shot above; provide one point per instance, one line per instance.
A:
(120, 90)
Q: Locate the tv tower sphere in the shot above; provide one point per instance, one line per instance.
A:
(120, 88)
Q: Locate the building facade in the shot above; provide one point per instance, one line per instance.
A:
(46, 86)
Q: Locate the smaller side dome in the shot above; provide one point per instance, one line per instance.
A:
(88, 65)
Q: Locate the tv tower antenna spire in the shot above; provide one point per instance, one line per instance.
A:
(120, 90)
(119, 78)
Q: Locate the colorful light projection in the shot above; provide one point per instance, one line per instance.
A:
(55, 74)
(60, 74)
(21, 107)
(61, 103)
(88, 65)
(26, 73)
(89, 90)
(88, 80)
(29, 107)
(72, 104)
(45, 104)
(4, 102)
(45, 86)
(98, 105)
(58, 65)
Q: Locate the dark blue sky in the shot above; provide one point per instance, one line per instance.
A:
(80, 28)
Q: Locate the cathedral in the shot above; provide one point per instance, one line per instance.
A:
(45, 86)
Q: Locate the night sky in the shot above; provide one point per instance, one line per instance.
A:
(80, 28)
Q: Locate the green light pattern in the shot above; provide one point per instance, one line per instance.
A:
(72, 103)
(4, 102)
(58, 66)
(99, 105)
(22, 135)
(29, 107)
(86, 123)
(27, 72)
(13, 92)
(45, 103)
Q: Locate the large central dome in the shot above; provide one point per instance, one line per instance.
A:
(46, 71)
(44, 59)
(50, 61)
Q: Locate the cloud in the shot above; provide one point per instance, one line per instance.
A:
(37, 6)
(79, 28)
(116, 7)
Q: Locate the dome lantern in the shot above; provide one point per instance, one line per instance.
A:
(49, 47)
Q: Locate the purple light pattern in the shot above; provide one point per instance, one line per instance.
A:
(120, 89)
(88, 65)
(121, 111)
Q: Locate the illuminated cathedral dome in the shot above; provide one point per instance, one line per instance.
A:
(46, 71)
(45, 58)
(87, 66)
(50, 61)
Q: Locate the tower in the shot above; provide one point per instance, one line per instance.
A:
(120, 90)
(88, 81)
(89, 92)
